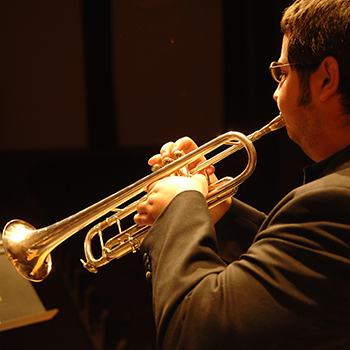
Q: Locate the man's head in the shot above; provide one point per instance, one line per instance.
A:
(317, 29)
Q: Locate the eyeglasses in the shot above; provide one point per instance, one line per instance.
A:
(276, 71)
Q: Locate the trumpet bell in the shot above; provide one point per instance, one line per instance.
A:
(30, 263)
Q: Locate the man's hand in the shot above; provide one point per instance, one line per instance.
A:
(163, 191)
(160, 194)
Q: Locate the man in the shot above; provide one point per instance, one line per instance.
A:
(291, 288)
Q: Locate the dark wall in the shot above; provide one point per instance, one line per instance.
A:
(42, 97)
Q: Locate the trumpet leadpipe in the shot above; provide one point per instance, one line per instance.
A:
(275, 124)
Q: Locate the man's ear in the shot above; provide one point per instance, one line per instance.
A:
(328, 75)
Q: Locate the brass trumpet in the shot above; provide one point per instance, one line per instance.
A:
(28, 249)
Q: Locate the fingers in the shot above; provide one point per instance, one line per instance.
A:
(143, 211)
(139, 219)
(184, 144)
(165, 151)
(156, 159)
(142, 217)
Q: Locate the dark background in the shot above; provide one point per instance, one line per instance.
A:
(89, 91)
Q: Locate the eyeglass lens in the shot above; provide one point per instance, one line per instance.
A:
(277, 73)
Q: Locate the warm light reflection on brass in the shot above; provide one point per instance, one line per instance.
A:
(29, 249)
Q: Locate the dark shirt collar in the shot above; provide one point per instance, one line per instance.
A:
(336, 162)
(314, 171)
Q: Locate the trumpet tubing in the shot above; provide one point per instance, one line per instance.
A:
(28, 249)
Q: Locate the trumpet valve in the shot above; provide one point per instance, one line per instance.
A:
(166, 161)
(156, 167)
(177, 154)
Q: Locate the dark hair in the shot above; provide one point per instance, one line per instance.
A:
(319, 28)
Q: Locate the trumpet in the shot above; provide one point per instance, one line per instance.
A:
(29, 249)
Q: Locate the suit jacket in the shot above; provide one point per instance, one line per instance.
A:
(289, 290)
